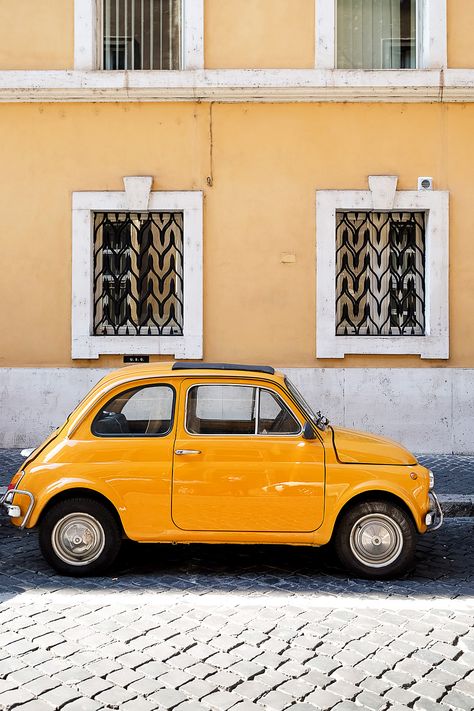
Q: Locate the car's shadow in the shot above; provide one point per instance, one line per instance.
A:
(444, 568)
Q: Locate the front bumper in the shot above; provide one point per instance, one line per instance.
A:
(12, 509)
(435, 517)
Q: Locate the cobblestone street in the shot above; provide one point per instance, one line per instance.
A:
(241, 627)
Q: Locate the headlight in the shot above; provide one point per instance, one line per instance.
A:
(431, 478)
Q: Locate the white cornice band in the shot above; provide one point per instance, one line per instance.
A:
(236, 85)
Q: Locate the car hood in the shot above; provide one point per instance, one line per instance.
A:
(352, 446)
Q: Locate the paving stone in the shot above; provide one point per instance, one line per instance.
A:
(372, 702)
(198, 688)
(221, 700)
(34, 705)
(251, 689)
(40, 684)
(59, 696)
(224, 679)
(457, 700)
(428, 689)
(322, 699)
(401, 696)
(297, 688)
(115, 696)
(10, 699)
(153, 669)
(138, 704)
(124, 677)
(92, 687)
(277, 700)
(82, 704)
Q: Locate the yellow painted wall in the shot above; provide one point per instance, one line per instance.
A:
(460, 28)
(36, 34)
(238, 34)
(251, 34)
(268, 161)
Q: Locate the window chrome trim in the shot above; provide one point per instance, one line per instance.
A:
(257, 412)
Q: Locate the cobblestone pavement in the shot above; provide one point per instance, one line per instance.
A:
(454, 473)
(237, 627)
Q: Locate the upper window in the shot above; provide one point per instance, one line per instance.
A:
(138, 273)
(376, 34)
(381, 34)
(237, 410)
(141, 34)
(380, 273)
(140, 411)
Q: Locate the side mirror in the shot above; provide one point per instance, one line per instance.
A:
(308, 432)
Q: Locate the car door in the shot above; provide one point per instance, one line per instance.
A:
(241, 462)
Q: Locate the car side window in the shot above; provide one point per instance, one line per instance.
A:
(275, 417)
(235, 410)
(221, 409)
(144, 411)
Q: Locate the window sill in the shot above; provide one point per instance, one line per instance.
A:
(89, 347)
(430, 347)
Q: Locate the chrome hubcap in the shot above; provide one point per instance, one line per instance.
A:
(78, 539)
(376, 540)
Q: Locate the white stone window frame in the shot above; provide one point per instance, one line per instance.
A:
(87, 35)
(136, 197)
(432, 36)
(383, 196)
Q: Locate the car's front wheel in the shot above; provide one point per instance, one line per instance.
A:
(376, 539)
(79, 537)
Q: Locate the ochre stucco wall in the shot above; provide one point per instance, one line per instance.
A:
(460, 27)
(252, 34)
(268, 161)
(36, 35)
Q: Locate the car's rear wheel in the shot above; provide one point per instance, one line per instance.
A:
(79, 537)
(376, 539)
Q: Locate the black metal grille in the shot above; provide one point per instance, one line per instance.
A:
(138, 273)
(380, 273)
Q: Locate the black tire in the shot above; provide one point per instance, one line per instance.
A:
(79, 537)
(376, 539)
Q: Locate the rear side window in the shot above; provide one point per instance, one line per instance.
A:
(146, 411)
(236, 410)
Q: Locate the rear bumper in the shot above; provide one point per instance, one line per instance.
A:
(435, 517)
(12, 509)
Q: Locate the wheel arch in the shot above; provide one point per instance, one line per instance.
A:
(80, 492)
(373, 495)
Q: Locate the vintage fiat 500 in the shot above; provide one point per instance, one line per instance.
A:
(217, 453)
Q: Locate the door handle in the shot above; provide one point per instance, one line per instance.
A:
(187, 451)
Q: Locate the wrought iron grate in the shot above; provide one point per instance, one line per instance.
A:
(138, 273)
(141, 35)
(380, 273)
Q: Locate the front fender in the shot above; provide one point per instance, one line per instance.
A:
(412, 493)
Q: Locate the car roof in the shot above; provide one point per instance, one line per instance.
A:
(190, 369)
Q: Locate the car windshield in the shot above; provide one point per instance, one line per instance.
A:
(308, 410)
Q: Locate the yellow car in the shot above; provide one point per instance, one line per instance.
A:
(217, 453)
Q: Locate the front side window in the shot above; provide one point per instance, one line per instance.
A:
(237, 410)
(380, 273)
(376, 34)
(138, 273)
(141, 34)
(142, 411)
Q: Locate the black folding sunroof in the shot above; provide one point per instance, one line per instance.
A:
(189, 365)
